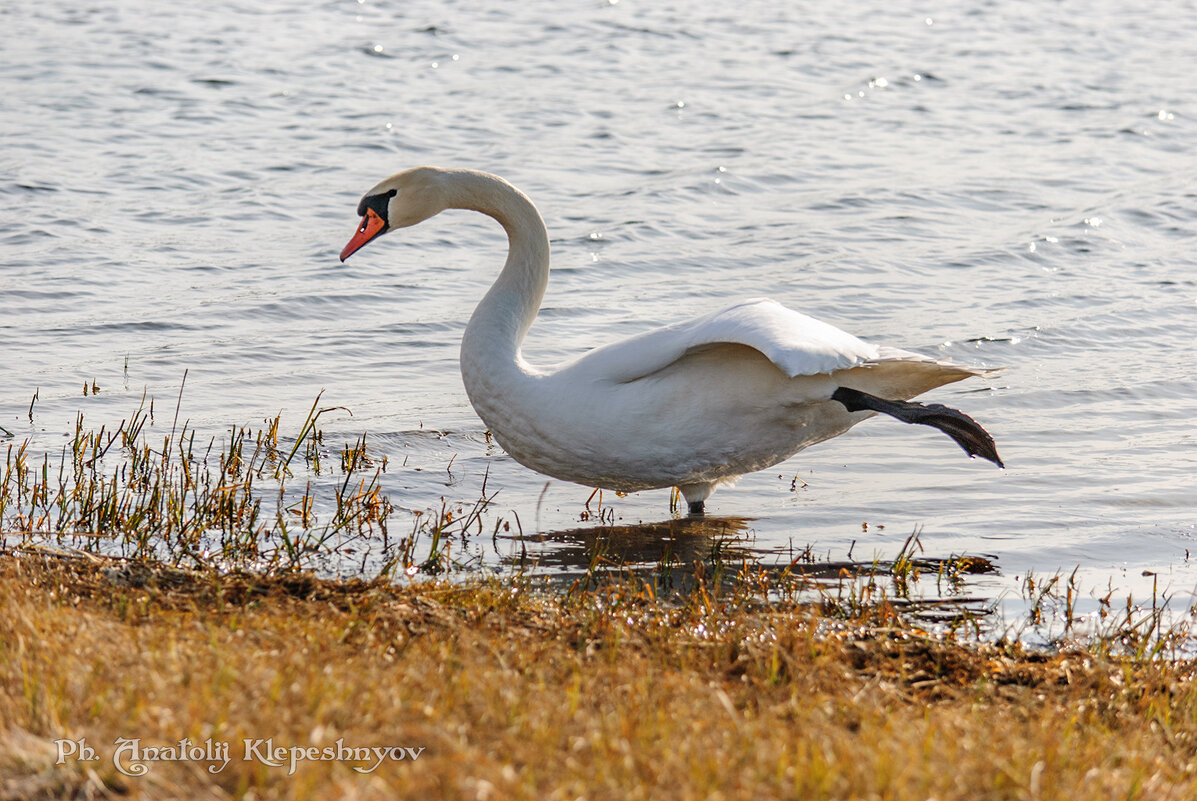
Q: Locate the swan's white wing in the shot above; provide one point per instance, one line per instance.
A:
(797, 344)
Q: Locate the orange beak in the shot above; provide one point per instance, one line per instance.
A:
(372, 225)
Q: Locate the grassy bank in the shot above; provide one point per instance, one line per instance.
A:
(514, 693)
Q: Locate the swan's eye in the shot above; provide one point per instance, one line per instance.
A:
(377, 204)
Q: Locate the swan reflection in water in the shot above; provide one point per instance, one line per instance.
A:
(679, 543)
(681, 554)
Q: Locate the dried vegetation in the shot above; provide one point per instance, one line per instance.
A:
(516, 693)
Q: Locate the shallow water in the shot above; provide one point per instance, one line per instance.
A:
(1004, 185)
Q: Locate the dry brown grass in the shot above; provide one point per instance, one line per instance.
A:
(519, 694)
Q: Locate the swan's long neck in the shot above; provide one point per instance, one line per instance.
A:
(490, 348)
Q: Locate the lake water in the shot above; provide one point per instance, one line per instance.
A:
(1003, 184)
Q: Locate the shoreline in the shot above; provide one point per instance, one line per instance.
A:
(607, 692)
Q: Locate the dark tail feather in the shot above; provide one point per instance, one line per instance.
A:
(956, 424)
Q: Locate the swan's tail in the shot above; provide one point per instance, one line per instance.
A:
(967, 433)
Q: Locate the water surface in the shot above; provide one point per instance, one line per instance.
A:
(1007, 185)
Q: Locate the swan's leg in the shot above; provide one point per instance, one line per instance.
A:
(953, 422)
(696, 495)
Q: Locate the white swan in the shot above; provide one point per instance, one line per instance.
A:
(691, 405)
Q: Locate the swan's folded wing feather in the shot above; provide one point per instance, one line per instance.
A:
(796, 343)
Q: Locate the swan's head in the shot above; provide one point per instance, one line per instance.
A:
(404, 199)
